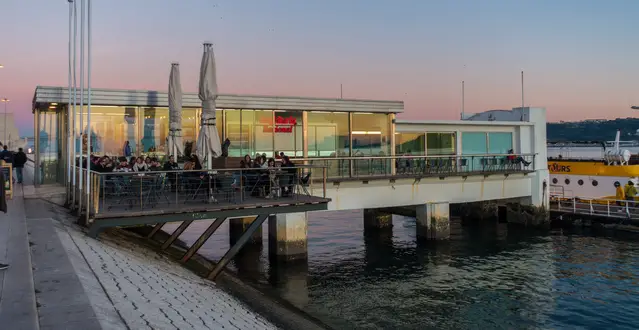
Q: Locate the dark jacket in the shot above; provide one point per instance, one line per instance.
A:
(3, 193)
(168, 166)
(19, 159)
(7, 156)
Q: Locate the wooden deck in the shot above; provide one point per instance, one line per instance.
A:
(113, 211)
(162, 213)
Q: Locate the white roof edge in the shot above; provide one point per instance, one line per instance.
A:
(408, 122)
(114, 90)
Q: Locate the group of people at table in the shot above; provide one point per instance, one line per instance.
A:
(262, 176)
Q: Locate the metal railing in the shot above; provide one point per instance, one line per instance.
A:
(174, 190)
(596, 206)
(367, 166)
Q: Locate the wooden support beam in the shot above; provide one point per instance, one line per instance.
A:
(176, 233)
(203, 238)
(155, 230)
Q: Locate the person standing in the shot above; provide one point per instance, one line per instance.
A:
(19, 160)
(127, 149)
(630, 192)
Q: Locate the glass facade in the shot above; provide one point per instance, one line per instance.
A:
(328, 134)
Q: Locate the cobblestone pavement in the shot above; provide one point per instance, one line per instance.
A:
(127, 286)
(151, 292)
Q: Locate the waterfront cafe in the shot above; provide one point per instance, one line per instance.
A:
(301, 127)
(296, 126)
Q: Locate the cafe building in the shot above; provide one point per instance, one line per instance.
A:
(298, 126)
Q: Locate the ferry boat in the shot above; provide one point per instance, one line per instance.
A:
(590, 169)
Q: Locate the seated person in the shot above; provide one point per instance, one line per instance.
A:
(171, 165)
(155, 165)
(513, 159)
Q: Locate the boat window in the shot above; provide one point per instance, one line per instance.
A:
(567, 181)
(580, 182)
(595, 183)
(554, 180)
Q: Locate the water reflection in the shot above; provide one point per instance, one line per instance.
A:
(486, 275)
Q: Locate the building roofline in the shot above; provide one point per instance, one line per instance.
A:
(123, 97)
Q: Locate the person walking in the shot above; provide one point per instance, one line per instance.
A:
(6, 155)
(3, 206)
(19, 160)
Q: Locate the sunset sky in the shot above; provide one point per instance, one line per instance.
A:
(579, 56)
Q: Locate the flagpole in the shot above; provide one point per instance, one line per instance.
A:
(82, 163)
(69, 104)
(88, 109)
(463, 101)
(75, 100)
(522, 89)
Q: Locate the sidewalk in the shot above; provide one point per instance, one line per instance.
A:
(17, 293)
(61, 279)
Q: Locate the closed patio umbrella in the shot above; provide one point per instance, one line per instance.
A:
(175, 112)
(208, 144)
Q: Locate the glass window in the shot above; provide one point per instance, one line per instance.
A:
(155, 130)
(474, 143)
(189, 128)
(370, 134)
(239, 141)
(410, 143)
(440, 144)
(111, 127)
(263, 133)
(48, 147)
(287, 133)
(500, 142)
(328, 134)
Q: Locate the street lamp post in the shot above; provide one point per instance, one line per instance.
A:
(5, 100)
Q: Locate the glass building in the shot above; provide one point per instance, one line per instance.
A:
(297, 126)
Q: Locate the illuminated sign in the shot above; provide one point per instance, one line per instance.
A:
(556, 168)
(282, 125)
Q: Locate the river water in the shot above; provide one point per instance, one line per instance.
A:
(489, 276)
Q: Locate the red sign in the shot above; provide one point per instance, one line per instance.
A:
(282, 125)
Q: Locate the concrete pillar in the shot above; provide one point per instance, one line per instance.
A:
(291, 281)
(433, 221)
(377, 220)
(287, 236)
(237, 226)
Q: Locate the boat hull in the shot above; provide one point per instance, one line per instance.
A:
(578, 178)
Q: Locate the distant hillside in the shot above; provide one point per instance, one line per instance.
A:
(593, 130)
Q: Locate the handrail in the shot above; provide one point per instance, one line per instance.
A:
(168, 190)
(229, 169)
(597, 206)
(409, 157)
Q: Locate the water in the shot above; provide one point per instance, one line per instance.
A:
(490, 276)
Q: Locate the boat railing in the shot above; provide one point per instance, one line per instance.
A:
(596, 206)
